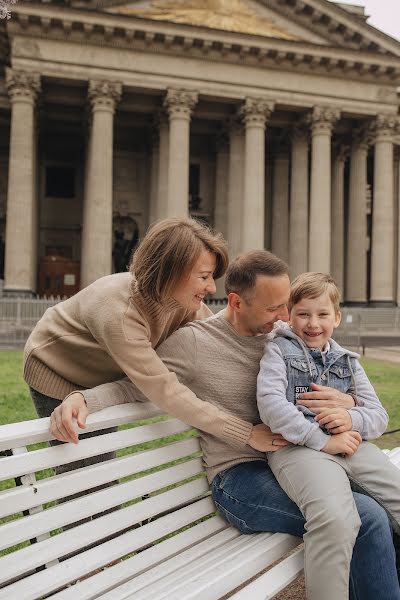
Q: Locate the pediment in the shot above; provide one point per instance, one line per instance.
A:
(317, 22)
(237, 16)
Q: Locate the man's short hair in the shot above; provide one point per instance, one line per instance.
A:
(242, 272)
(313, 285)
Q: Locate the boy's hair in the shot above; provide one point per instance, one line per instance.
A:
(169, 251)
(313, 285)
(242, 272)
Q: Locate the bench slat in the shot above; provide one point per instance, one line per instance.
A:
(22, 561)
(204, 559)
(54, 578)
(17, 531)
(269, 584)
(14, 435)
(218, 571)
(46, 458)
(23, 497)
(172, 562)
(214, 530)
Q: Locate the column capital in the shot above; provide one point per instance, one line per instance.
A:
(22, 85)
(161, 119)
(323, 118)
(384, 127)
(256, 111)
(180, 103)
(362, 137)
(222, 141)
(300, 132)
(234, 125)
(341, 152)
(104, 94)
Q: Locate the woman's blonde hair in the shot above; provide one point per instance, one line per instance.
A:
(169, 250)
(313, 285)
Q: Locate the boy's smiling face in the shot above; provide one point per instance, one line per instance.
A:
(314, 320)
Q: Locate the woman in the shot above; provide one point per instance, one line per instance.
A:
(112, 327)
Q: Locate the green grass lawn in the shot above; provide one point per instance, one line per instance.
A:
(15, 403)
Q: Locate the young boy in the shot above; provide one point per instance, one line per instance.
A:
(328, 457)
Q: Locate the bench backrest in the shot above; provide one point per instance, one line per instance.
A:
(159, 468)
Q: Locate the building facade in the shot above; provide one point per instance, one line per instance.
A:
(276, 121)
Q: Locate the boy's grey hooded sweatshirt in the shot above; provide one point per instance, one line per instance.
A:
(369, 417)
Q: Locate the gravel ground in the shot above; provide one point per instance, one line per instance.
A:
(296, 591)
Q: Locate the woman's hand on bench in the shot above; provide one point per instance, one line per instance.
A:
(62, 424)
(263, 440)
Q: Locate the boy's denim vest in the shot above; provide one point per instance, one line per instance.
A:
(304, 366)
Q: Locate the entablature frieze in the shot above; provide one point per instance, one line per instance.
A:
(331, 22)
(169, 38)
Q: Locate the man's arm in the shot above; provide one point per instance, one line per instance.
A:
(275, 411)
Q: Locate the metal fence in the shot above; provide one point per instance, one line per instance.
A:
(359, 327)
(18, 316)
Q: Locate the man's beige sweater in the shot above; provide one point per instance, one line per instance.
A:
(109, 330)
(221, 367)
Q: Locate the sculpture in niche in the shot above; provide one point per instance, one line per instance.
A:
(126, 238)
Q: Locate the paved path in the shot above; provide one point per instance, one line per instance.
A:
(390, 354)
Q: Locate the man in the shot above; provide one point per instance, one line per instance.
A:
(219, 360)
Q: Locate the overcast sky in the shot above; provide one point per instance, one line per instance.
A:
(384, 14)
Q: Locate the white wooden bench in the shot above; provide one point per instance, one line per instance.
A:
(164, 524)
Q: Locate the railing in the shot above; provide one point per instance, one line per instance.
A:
(359, 327)
(22, 311)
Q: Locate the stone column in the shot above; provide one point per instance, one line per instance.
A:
(255, 113)
(221, 197)
(382, 284)
(98, 202)
(397, 204)
(298, 225)
(179, 105)
(356, 257)
(319, 243)
(154, 166)
(280, 206)
(22, 209)
(337, 214)
(163, 153)
(235, 187)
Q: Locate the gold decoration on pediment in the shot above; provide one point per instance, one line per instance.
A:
(229, 15)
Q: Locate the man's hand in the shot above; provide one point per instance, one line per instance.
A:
(343, 443)
(325, 397)
(337, 420)
(263, 440)
(61, 419)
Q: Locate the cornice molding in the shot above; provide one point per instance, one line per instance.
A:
(105, 29)
(336, 24)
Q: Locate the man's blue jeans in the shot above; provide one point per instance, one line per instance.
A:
(249, 497)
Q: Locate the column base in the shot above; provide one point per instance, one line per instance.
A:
(381, 304)
(16, 293)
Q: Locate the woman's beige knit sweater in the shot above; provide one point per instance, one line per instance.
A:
(109, 330)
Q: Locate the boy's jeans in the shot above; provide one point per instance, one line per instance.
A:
(249, 497)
